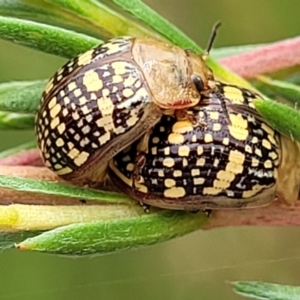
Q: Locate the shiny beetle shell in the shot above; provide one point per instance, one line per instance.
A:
(227, 160)
(106, 98)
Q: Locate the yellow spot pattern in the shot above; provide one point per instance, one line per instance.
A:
(239, 127)
(234, 94)
(182, 126)
(91, 81)
(183, 151)
(174, 192)
(175, 138)
(168, 162)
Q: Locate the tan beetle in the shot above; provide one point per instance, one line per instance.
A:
(232, 162)
(103, 100)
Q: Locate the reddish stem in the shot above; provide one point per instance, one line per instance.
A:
(29, 157)
(266, 59)
(275, 214)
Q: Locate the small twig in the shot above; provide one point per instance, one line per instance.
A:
(266, 59)
(275, 214)
(29, 157)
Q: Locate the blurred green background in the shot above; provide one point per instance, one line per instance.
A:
(196, 266)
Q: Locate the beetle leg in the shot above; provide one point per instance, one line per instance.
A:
(139, 164)
(145, 207)
(140, 158)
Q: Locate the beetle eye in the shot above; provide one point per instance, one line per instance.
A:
(198, 82)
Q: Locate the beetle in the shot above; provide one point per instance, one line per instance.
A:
(229, 162)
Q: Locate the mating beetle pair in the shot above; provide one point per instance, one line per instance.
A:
(152, 117)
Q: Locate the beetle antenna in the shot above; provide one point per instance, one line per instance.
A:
(211, 39)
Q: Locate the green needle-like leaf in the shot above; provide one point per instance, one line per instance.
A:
(19, 217)
(223, 52)
(281, 117)
(16, 121)
(158, 23)
(46, 38)
(110, 22)
(47, 13)
(29, 9)
(8, 239)
(273, 88)
(60, 189)
(267, 291)
(109, 236)
(21, 96)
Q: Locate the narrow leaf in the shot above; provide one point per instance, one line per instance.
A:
(281, 117)
(46, 38)
(60, 189)
(21, 96)
(158, 23)
(223, 52)
(108, 21)
(272, 87)
(47, 13)
(109, 236)
(267, 291)
(9, 239)
(293, 76)
(19, 217)
(25, 9)
(16, 121)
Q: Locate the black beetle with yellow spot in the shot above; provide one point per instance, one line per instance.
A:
(226, 160)
(104, 99)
